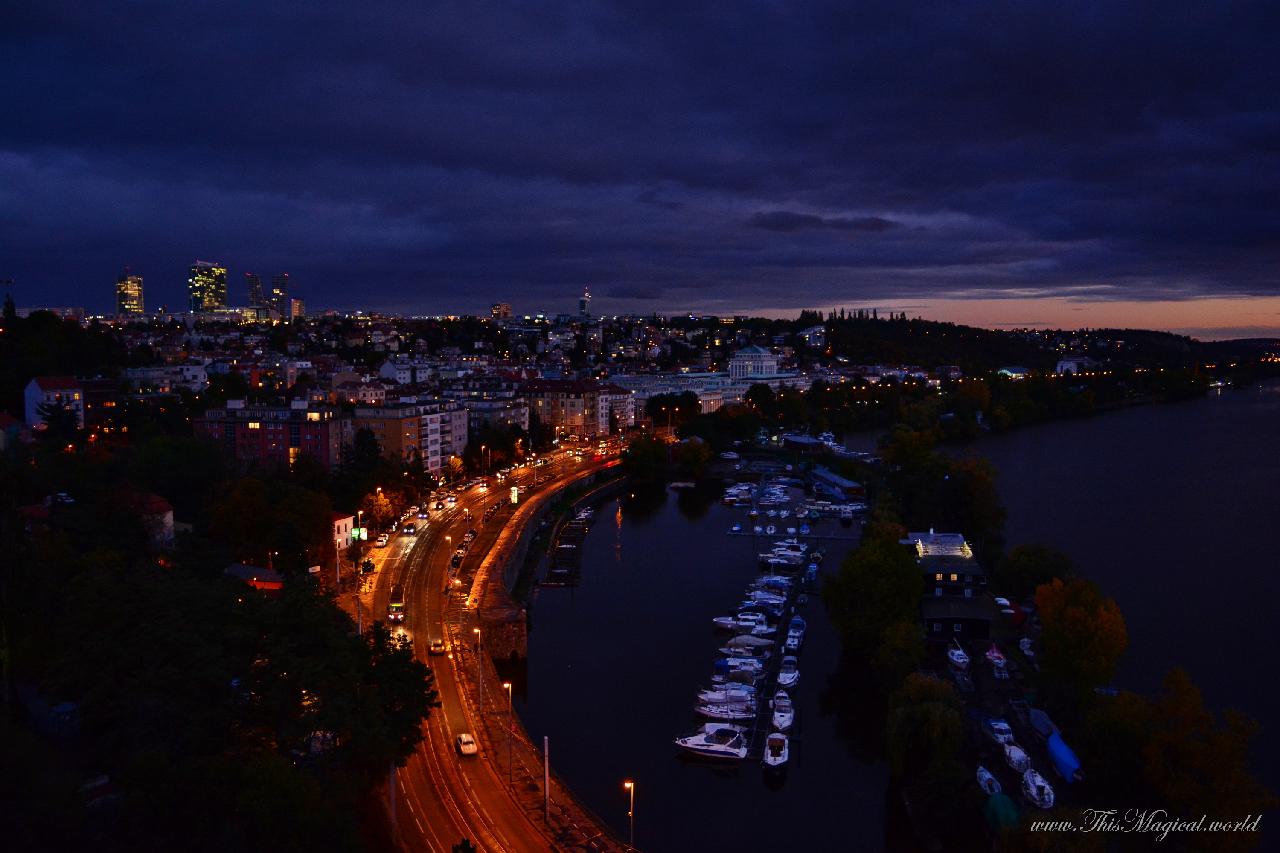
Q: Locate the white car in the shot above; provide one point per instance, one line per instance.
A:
(466, 744)
(382, 540)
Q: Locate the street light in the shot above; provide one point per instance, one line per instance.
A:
(479, 680)
(631, 812)
(510, 731)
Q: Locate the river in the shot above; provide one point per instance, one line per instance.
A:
(1170, 509)
(614, 667)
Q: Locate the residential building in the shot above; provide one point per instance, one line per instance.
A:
(207, 287)
(579, 406)
(431, 431)
(129, 301)
(343, 524)
(43, 391)
(275, 434)
(500, 311)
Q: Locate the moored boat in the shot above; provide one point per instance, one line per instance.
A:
(736, 711)
(784, 713)
(989, 784)
(716, 740)
(958, 658)
(1016, 758)
(1037, 789)
(777, 750)
(789, 672)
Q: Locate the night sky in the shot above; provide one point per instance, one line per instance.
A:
(1001, 163)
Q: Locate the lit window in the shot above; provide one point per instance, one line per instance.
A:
(938, 576)
(954, 577)
(254, 425)
(313, 416)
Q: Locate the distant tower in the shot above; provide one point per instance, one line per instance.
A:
(280, 294)
(584, 304)
(254, 283)
(207, 286)
(129, 295)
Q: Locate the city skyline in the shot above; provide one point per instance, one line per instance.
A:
(1064, 166)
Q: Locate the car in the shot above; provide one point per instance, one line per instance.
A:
(422, 513)
(439, 505)
(413, 510)
(451, 500)
(436, 647)
(466, 744)
(456, 561)
(410, 529)
(382, 540)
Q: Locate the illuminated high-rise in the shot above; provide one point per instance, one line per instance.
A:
(207, 286)
(254, 284)
(129, 295)
(280, 294)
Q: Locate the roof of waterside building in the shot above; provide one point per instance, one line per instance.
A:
(933, 544)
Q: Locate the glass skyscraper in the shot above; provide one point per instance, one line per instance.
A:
(207, 286)
(129, 294)
(256, 298)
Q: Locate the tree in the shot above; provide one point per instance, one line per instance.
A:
(925, 727)
(900, 651)
(61, 425)
(377, 509)
(878, 584)
(693, 457)
(1028, 567)
(1084, 634)
(645, 459)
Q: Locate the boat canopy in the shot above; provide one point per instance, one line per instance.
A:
(1041, 723)
(1064, 760)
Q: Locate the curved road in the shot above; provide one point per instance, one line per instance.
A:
(442, 797)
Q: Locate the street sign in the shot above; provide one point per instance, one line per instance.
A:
(515, 494)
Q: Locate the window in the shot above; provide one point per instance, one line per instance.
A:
(957, 627)
(938, 576)
(954, 577)
(255, 425)
(313, 416)
(937, 627)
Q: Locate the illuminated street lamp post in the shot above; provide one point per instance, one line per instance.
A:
(479, 680)
(510, 732)
(631, 812)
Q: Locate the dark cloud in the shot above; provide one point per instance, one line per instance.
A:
(441, 156)
(785, 220)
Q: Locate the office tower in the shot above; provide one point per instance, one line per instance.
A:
(207, 286)
(500, 311)
(129, 295)
(584, 304)
(254, 283)
(280, 293)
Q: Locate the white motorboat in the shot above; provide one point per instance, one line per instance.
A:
(740, 653)
(804, 530)
(791, 530)
(727, 711)
(789, 672)
(989, 784)
(793, 544)
(1037, 789)
(999, 731)
(1016, 758)
(746, 641)
(753, 513)
(763, 596)
(771, 530)
(737, 528)
(1027, 648)
(795, 634)
(757, 530)
(773, 513)
(743, 664)
(957, 657)
(776, 751)
(716, 740)
(784, 513)
(741, 621)
(727, 694)
(784, 713)
(1002, 602)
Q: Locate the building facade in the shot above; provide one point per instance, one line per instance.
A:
(753, 361)
(207, 287)
(275, 434)
(129, 300)
(430, 431)
(44, 391)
